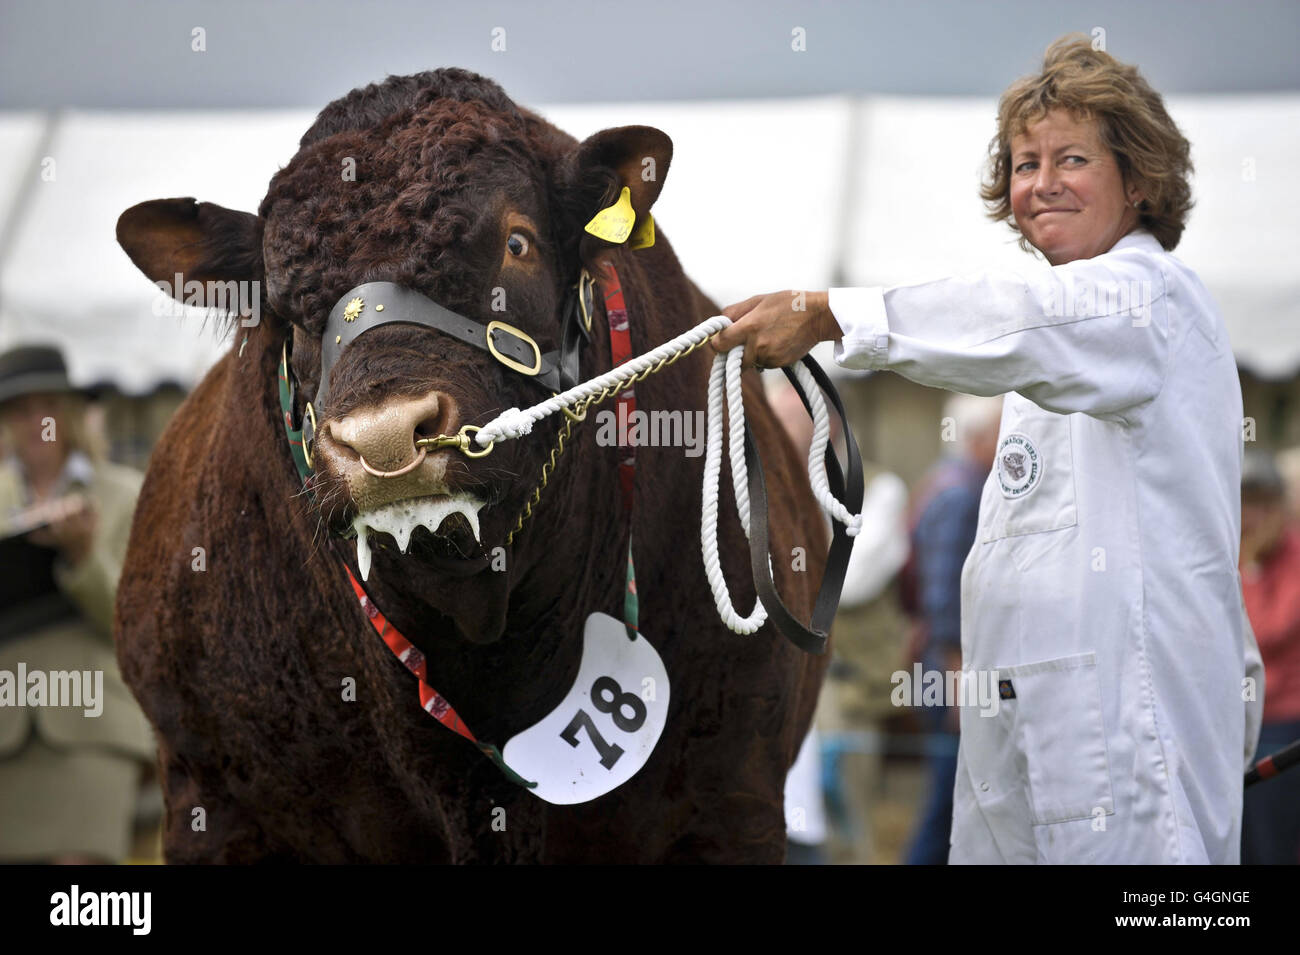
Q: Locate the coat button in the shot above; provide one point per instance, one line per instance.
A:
(984, 787)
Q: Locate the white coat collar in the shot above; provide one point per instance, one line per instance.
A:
(1138, 239)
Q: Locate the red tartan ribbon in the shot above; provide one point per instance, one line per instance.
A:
(620, 345)
(430, 699)
(433, 702)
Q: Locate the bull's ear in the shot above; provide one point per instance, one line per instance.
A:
(199, 241)
(635, 157)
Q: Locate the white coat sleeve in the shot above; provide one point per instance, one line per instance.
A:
(1091, 335)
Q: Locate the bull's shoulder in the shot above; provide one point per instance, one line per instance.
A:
(176, 488)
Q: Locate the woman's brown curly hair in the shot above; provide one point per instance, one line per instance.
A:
(1131, 119)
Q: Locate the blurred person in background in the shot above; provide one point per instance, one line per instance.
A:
(1288, 462)
(869, 632)
(943, 518)
(69, 781)
(805, 806)
(1270, 582)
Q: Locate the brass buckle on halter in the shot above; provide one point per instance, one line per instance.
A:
(506, 359)
(586, 283)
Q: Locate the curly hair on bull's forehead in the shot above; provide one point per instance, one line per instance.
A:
(427, 150)
(370, 105)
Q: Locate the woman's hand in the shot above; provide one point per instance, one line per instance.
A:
(777, 329)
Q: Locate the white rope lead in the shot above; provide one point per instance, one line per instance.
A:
(817, 454)
(724, 376)
(726, 373)
(513, 423)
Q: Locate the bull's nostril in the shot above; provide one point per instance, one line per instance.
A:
(431, 427)
(381, 438)
(342, 438)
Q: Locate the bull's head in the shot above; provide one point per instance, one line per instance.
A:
(465, 203)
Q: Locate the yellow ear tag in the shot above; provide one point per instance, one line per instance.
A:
(614, 223)
(643, 236)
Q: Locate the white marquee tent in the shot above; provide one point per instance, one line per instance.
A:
(762, 195)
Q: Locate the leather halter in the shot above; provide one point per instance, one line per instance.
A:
(413, 307)
(372, 304)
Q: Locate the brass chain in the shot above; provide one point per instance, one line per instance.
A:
(547, 468)
(580, 414)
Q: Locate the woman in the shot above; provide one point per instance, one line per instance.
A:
(69, 774)
(1102, 586)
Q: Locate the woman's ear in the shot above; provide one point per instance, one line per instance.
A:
(635, 158)
(1133, 191)
(200, 253)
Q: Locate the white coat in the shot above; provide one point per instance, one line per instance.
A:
(1102, 585)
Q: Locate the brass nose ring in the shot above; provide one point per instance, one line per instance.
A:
(419, 457)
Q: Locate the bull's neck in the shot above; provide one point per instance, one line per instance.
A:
(569, 563)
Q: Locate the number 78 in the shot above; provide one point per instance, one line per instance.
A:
(609, 752)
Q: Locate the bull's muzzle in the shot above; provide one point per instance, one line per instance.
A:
(373, 449)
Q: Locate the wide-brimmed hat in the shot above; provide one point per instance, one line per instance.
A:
(34, 369)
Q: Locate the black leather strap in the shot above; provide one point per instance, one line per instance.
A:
(575, 335)
(359, 311)
(383, 302)
(814, 637)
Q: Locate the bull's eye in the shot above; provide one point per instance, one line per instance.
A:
(517, 244)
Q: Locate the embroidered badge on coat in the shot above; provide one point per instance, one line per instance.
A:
(1019, 465)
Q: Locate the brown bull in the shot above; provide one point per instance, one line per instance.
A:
(242, 654)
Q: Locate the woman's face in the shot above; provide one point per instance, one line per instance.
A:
(1067, 195)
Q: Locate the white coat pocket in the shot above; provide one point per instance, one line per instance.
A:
(1055, 707)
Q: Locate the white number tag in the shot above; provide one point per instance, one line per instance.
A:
(604, 731)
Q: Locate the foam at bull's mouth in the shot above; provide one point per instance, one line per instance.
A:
(401, 518)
